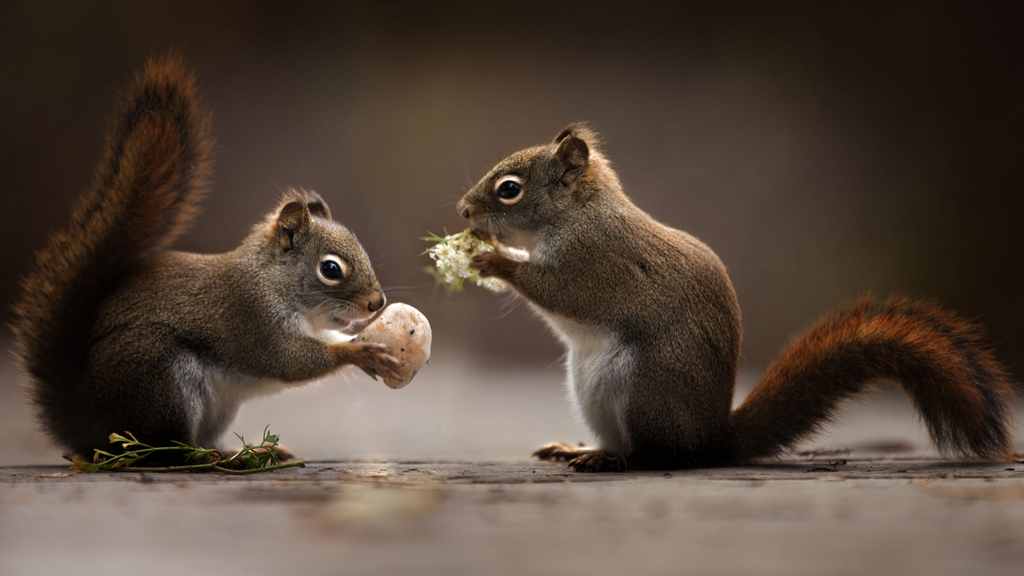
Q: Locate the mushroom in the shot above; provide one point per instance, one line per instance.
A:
(406, 333)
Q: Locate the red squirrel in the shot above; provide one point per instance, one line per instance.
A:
(652, 326)
(118, 333)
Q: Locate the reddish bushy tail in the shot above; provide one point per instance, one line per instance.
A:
(943, 362)
(147, 187)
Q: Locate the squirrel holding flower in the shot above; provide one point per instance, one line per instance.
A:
(651, 323)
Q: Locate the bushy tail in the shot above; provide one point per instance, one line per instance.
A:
(944, 363)
(146, 190)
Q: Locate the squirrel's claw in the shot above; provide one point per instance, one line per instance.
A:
(490, 264)
(560, 451)
(391, 365)
(374, 359)
(598, 461)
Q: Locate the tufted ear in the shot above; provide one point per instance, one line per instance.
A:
(583, 131)
(292, 221)
(573, 152)
(294, 215)
(317, 206)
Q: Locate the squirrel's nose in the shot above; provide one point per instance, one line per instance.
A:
(464, 209)
(377, 301)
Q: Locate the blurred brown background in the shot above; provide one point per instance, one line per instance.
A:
(822, 154)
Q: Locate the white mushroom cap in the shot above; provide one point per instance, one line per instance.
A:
(406, 333)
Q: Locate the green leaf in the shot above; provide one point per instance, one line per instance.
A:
(114, 438)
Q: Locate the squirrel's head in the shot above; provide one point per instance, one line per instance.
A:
(540, 186)
(321, 264)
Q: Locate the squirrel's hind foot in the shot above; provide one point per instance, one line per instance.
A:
(581, 458)
(560, 451)
(598, 461)
(281, 452)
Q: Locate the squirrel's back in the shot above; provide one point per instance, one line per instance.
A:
(147, 187)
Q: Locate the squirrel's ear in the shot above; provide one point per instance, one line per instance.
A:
(292, 219)
(573, 154)
(317, 206)
(567, 131)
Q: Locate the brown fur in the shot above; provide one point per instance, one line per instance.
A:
(147, 188)
(119, 333)
(943, 362)
(655, 331)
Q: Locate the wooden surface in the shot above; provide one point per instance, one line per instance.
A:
(827, 514)
(434, 480)
(834, 465)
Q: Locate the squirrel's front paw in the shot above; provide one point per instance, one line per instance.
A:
(493, 264)
(372, 358)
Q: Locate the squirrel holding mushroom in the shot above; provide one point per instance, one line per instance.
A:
(652, 327)
(118, 333)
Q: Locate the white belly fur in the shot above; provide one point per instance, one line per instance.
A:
(223, 392)
(214, 403)
(597, 368)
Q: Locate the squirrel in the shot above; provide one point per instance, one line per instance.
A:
(119, 333)
(651, 323)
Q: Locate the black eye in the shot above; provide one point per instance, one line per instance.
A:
(332, 270)
(509, 189)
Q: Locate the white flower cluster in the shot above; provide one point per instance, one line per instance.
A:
(452, 255)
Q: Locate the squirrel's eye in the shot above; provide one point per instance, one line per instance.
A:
(509, 189)
(332, 270)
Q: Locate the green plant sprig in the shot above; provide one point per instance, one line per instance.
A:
(249, 459)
